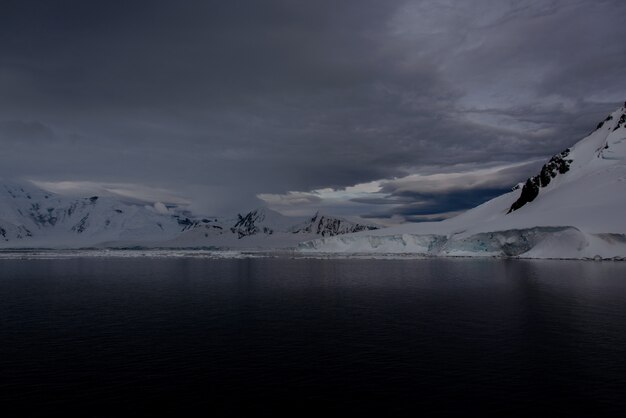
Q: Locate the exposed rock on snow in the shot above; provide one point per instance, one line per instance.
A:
(264, 228)
(328, 226)
(559, 164)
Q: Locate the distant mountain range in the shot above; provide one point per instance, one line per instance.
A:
(575, 207)
(33, 218)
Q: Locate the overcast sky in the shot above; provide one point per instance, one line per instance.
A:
(391, 110)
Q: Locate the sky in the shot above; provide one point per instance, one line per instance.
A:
(393, 111)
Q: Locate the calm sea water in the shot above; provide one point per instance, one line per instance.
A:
(437, 337)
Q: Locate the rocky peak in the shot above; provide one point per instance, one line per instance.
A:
(250, 224)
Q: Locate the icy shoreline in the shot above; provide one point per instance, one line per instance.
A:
(49, 254)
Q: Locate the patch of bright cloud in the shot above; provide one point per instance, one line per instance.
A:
(412, 198)
(442, 183)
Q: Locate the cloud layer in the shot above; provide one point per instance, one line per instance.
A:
(224, 101)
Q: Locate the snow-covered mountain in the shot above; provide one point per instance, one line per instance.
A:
(33, 218)
(574, 208)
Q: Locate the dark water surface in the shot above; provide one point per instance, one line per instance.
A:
(436, 337)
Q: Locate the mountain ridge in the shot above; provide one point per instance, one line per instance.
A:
(33, 217)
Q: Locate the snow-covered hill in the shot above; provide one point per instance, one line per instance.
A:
(33, 218)
(574, 208)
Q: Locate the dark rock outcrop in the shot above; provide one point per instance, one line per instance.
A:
(621, 122)
(558, 164)
(329, 227)
(247, 225)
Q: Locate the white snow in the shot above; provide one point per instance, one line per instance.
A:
(161, 208)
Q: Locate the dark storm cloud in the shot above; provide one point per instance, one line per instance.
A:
(221, 101)
(194, 53)
(19, 130)
(424, 204)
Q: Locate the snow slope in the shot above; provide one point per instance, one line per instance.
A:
(574, 208)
